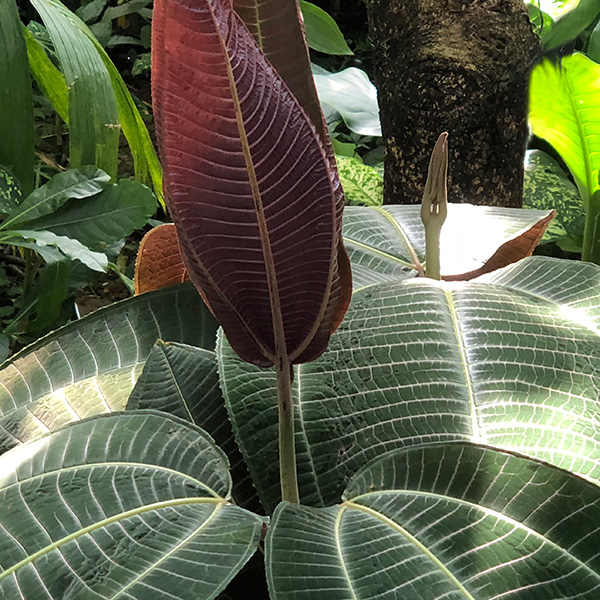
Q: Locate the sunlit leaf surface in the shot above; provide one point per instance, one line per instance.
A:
(90, 366)
(131, 506)
(443, 522)
(511, 359)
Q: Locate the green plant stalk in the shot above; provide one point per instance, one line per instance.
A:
(287, 445)
(434, 207)
(591, 234)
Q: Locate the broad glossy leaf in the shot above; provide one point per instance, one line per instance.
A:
(159, 263)
(563, 109)
(90, 366)
(444, 521)
(250, 188)
(547, 186)
(353, 96)
(130, 505)
(276, 27)
(183, 381)
(594, 44)
(511, 359)
(362, 184)
(322, 32)
(107, 217)
(94, 126)
(16, 99)
(389, 242)
(74, 183)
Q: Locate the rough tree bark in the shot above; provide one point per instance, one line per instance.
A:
(460, 66)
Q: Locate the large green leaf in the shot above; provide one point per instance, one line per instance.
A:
(510, 359)
(445, 521)
(94, 126)
(131, 505)
(16, 99)
(107, 217)
(386, 243)
(75, 183)
(563, 109)
(91, 365)
(352, 95)
(183, 381)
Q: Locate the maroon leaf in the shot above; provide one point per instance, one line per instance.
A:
(250, 188)
(277, 29)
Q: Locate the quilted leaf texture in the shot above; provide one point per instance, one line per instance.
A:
(257, 206)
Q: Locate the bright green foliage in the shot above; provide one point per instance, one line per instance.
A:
(563, 109)
(547, 186)
(143, 511)
(362, 184)
(322, 32)
(564, 102)
(75, 216)
(16, 100)
(442, 521)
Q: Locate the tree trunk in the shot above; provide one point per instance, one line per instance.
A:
(460, 66)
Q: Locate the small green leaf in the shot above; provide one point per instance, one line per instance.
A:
(547, 186)
(322, 32)
(50, 80)
(52, 287)
(594, 44)
(75, 183)
(104, 218)
(362, 184)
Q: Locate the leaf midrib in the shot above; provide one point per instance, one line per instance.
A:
(110, 520)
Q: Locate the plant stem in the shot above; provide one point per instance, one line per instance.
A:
(287, 446)
(591, 235)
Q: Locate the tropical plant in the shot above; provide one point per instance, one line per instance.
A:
(78, 215)
(87, 92)
(445, 440)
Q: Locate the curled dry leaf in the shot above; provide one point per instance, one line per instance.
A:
(159, 263)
